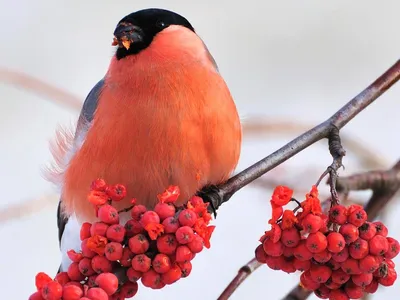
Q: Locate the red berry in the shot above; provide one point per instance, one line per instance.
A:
(358, 217)
(100, 264)
(151, 279)
(372, 287)
(196, 245)
(129, 290)
(98, 228)
(320, 273)
(85, 231)
(301, 252)
(149, 217)
(74, 256)
(133, 227)
(170, 224)
(52, 291)
(359, 249)
(186, 268)
(36, 296)
(353, 291)
(322, 292)
(127, 256)
(161, 263)
(74, 273)
(301, 265)
(351, 266)
(341, 256)
(369, 264)
(139, 244)
(187, 217)
(173, 275)
(367, 231)
(378, 245)
(98, 185)
(260, 254)
(116, 233)
(288, 252)
(113, 251)
(108, 282)
(381, 229)
(363, 279)
(164, 210)
(137, 212)
(349, 232)
(332, 285)
(184, 235)
(108, 214)
(62, 278)
(334, 265)
(275, 263)
(183, 254)
(287, 266)
(72, 292)
(311, 223)
(322, 257)
(337, 214)
(85, 267)
(116, 192)
(336, 242)
(91, 282)
(97, 294)
(316, 242)
(141, 263)
(325, 221)
(133, 275)
(340, 277)
(389, 279)
(290, 237)
(116, 296)
(338, 295)
(167, 244)
(273, 249)
(307, 282)
(394, 248)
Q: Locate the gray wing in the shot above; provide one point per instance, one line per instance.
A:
(85, 117)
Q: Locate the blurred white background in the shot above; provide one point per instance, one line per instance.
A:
(283, 60)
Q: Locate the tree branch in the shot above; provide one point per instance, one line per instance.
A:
(217, 195)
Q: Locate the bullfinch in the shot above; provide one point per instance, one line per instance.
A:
(162, 115)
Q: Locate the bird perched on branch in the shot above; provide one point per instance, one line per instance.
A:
(162, 115)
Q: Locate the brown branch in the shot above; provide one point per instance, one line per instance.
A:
(217, 195)
(384, 185)
(242, 275)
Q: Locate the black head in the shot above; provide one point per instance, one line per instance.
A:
(136, 31)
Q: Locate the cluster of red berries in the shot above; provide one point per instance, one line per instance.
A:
(155, 246)
(341, 255)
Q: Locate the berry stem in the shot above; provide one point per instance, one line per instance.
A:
(126, 209)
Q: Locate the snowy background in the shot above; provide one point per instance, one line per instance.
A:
(294, 61)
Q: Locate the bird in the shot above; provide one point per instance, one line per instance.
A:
(161, 115)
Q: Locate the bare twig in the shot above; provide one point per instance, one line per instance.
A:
(217, 195)
(243, 273)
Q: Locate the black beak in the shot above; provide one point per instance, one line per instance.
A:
(127, 34)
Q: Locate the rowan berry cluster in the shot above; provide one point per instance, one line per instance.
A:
(340, 254)
(155, 246)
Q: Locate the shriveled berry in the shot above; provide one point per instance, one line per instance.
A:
(139, 244)
(273, 249)
(187, 217)
(164, 210)
(349, 232)
(184, 235)
(369, 264)
(340, 277)
(129, 290)
(161, 263)
(359, 249)
(85, 231)
(196, 245)
(98, 228)
(311, 223)
(290, 237)
(320, 273)
(71, 292)
(141, 263)
(171, 225)
(97, 294)
(363, 279)
(301, 252)
(323, 256)
(307, 282)
(316, 242)
(341, 256)
(113, 251)
(149, 217)
(378, 245)
(173, 275)
(74, 273)
(351, 266)
(116, 233)
(108, 214)
(85, 267)
(133, 275)
(137, 212)
(367, 231)
(353, 291)
(74, 256)
(337, 214)
(167, 244)
(100, 264)
(108, 282)
(394, 248)
(336, 242)
(52, 291)
(381, 229)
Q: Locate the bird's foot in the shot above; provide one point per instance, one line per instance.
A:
(211, 194)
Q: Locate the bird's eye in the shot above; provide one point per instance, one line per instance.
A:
(160, 24)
